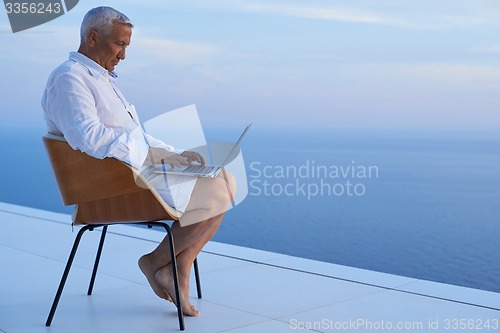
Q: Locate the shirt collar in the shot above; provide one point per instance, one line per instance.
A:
(93, 67)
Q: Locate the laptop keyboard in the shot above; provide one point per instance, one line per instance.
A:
(203, 169)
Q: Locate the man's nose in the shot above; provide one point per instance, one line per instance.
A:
(121, 55)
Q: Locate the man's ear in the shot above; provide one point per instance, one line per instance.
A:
(92, 38)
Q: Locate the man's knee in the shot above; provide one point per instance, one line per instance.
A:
(214, 194)
(230, 181)
(223, 192)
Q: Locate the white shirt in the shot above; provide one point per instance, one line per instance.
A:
(82, 102)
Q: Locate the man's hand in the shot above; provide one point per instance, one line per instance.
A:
(175, 160)
(192, 156)
(163, 156)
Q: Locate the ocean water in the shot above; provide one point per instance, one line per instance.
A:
(423, 204)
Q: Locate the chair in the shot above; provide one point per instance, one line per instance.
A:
(107, 192)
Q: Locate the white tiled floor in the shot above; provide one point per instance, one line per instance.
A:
(244, 290)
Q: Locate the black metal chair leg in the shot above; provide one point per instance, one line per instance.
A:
(66, 272)
(97, 259)
(180, 313)
(197, 277)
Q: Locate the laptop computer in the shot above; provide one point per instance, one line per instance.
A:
(197, 170)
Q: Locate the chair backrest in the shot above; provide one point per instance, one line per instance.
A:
(82, 178)
(105, 190)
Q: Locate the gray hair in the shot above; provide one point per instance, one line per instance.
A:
(101, 19)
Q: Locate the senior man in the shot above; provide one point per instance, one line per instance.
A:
(82, 102)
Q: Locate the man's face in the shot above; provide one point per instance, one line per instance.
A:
(109, 50)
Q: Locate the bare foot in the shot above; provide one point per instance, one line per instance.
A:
(148, 270)
(164, 278)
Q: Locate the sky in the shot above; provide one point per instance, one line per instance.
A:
(351, 63)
